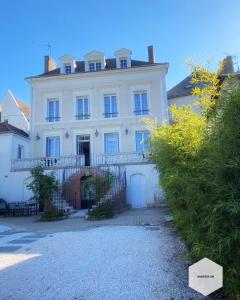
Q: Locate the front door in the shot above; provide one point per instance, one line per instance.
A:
(83, 147)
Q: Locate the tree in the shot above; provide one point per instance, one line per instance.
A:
(43, 186)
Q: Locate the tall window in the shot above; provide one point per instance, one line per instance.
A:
(53, 146)
(20, 152)
(141, 103)
(94, 66)
(53, 110)
(142, 142)
(111, 143)
(123, 63)
(68, 69)
(110, 106)
(82, 108)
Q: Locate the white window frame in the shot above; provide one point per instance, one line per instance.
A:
(54, 118)
(85, 115)
(140, 92)
(96, 65)
(111, 114)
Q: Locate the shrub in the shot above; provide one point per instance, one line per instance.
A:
(199, 160)
(102, 211)
(52, 216)
(43, 186)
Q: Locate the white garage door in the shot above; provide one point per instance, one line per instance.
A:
(138, 195)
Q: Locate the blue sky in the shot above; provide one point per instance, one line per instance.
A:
(179, 30)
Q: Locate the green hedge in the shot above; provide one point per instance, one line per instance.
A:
(199, 161)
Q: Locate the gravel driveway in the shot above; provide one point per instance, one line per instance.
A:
(107, 262)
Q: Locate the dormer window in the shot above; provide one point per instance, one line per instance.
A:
(123, 58)
(123, 63)
(94, 61)
(95, 66)
(68, 64)
(68, 69)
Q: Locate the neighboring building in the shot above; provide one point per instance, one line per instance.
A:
(14, 145)
(182, 93)
(15, 111)
(90, 113)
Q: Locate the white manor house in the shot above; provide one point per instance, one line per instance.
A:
(87, 114)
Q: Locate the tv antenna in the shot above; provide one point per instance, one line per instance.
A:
(48, 46)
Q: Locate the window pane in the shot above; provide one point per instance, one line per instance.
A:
(114, 105)
(137, 103)
(144, 103)
(56, 109)
(139, 145)
(146, 136)
(91, 67)
(53, 146)
(98, 66)
(79, 107)
(86, 108)
(107, 106)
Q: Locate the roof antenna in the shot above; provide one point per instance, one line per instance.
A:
(49, 47)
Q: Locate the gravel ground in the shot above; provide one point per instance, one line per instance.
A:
(107, 262)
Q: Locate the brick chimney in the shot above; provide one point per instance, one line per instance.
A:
(150, 54)
(49, 64)
(227, 65)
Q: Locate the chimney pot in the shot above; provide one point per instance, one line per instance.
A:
(150, 54)
(49, 64)
(227, 65)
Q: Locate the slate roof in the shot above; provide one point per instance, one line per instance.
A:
(8, 128)
(183, 88)
(110, 65)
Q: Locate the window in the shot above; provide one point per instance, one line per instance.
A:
(20, 152)
(95, 66)
(53, 146)
(82, 108)
(53, 110)
(68, 69)
(98, 66)
(142, 143)
(140, 103)
(111, 142)
(123, 63)
(110, 106)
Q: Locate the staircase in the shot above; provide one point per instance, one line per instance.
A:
(115, 195)
(61, 204)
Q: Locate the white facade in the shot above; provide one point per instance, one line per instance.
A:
(13, 184)
(105, 108)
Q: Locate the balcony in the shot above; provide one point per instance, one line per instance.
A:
(73, 161)
(48, 163)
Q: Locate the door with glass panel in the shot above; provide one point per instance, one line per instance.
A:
(142, 141)
(52, 151)
(83, 147)
(111, 144)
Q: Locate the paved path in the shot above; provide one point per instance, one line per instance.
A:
(111, 261)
